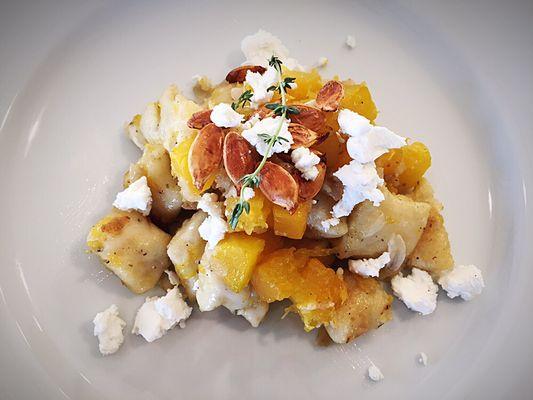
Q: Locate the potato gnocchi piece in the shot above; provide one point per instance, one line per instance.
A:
(367, 307)
(166, 195)
(320, 212)
(370, 228)
(163, 122)
(187, 247)
(433, 251)
(131, 247)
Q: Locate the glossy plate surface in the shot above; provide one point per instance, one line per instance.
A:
(457, 77)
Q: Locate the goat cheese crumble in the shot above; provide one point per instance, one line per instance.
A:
(417, 291)
(259, 47)
(322, 62)
(248, 193)
(422, 359)
(260, 84)
(360, 178)
(350, 41)
(305, 161)
(137, 196)
(224, 116)
(366, 142)
(330, 222)
(160, 314)
(375, 374)
(465, 281)
(214, 227)
(360, 182)
(108, 328)
(268, 126)
(369, 266)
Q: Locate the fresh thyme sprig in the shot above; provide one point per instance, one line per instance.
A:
(281, 110)
(245, 97)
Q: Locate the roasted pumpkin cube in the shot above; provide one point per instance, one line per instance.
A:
(308, 84)
(276, 276)
(318, 293)
(256, 221)
(235, 257)
(403, 168)
(291, 225)
(131, 247)
(367, 307)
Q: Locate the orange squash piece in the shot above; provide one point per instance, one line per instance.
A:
(403, 168)
(291, 225)
(235, 257)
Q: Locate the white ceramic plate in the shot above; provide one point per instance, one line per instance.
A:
(457, 77)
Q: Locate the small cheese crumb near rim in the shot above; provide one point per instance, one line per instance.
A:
(350, 41)
(374, 373)
(422, 359)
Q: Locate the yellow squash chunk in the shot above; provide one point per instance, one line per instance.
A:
(257, 220)
(180, 169)
(275, 278)
(367, 307)
(132, 247)
(308, 85)
(403, 168)
(319, 293)
(291, 225)
(235, 257)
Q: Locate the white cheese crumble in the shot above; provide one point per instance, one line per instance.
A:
(360, 178)
(322, 62)
(375, 374)
(269, 126)
(465, 281)
(160, 314)
(369, 266)
(137, 196)
(260, 84)
(330, 222)
(225, 184)
(214, 227)
(248, 193)
(366, 142)
(259, 47)
(224, 116)
(422, 359)
(350, 41)
(202, 82)
(172, 277)
(108, 327)
(305, 161)
(417, 291)
(360, 182)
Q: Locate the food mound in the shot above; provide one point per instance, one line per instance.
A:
(277, 185)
